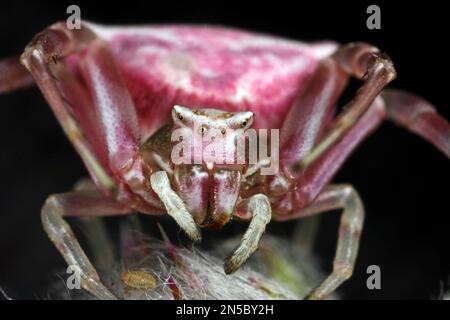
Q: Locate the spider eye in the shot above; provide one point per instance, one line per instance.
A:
(223, 131)
(244, 123)
(202, 129)
(180, 116)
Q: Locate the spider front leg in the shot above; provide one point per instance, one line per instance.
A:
(68, 98)
(98, 116)
(339, 197)
(402, 108)
(81, 203)
(308, 167)
(310, 195)
(310, 118)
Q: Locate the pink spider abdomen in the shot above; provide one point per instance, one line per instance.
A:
(211, 67)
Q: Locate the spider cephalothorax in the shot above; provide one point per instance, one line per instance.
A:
(117, 91)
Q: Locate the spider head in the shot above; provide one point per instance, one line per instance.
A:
(212, 134)
(210, 162)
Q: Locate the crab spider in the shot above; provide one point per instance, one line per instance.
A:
(117, 93)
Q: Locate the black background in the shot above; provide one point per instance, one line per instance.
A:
(402, 179)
